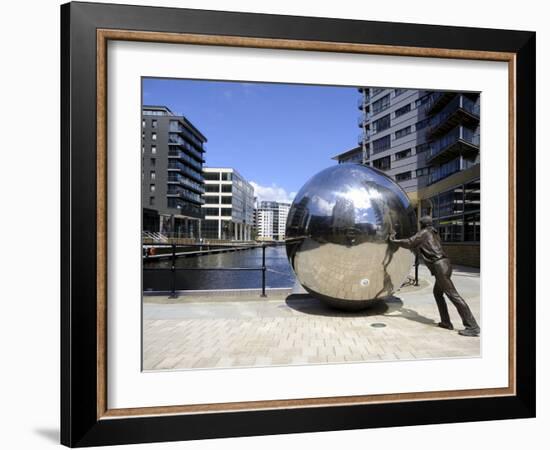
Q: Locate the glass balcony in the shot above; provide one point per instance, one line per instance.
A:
(177, 127)
(176, 178)
(364, 136)
(460, 110)
(181, 155)
(460, 140)
(187, 195)
(445, 170)
(174, 139)
(449, 168)
(438, 100)
(178, 166)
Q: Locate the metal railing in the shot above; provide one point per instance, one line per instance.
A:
(173, 269)
(263, 268)
(459, 133)
(459, 102)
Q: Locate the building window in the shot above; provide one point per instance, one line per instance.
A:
(212, 188)
(422, 101)
(422, 148)
(381, 124)
(212, 176)
(472, 197)
(381, 144)
(397, 92)
(154, 136)
(402, 132)
(403, 154)
(143, 123)
(153, 175)
(422, 124)
(380, 105)
(153, 162)
(226, 176)
(225, 212)
(403, 110)
(227, 188)
(151, 188)
(154, 123)
(154, 149)
(450, 230)
(212, 211)
(382, 163)
(173, 203)
(226, 200)
(422, 172)
(404, 176)
(151, 201)
(472, 227)
(211, 199)
(376, 91)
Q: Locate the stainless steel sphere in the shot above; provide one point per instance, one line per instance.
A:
(337, 232)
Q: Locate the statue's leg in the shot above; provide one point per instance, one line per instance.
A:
(444, 280)
(442, 307)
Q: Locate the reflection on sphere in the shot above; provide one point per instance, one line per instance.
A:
(341, 219)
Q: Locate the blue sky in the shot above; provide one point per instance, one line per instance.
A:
(275, 135)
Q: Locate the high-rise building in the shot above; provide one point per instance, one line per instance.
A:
(172, 181)
(428, 142)
(228, 205)
(271, 220)
(264, 223)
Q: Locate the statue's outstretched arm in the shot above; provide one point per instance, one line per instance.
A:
(410, 243)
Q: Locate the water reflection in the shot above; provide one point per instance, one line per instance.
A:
(279, 273)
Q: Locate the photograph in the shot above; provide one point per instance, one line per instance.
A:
(271, 225)
(296, 224)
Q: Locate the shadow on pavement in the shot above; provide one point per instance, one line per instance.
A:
(389, 307)
(307, 304)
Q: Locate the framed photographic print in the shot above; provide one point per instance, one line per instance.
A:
(277, 224)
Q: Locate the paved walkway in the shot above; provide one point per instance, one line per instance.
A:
(297, 329)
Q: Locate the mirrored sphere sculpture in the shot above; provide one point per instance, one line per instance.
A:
(337, 232)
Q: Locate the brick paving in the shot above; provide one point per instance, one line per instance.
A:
(240, 331)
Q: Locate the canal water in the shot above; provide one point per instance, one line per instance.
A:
(279, 274)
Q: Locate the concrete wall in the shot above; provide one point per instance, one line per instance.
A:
(463, 253)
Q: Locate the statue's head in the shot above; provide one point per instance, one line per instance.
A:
(426, 221)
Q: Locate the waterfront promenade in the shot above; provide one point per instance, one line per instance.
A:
(201, 331)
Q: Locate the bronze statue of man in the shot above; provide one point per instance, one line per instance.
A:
(428, 244)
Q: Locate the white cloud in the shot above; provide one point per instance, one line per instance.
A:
(272, 193)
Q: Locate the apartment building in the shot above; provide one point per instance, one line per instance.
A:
(429, 143)
(271, 220)
(172, 182)
(228, 205)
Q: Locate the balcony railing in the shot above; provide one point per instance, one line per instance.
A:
(176, 127)
(456, 135)
(445, 170)
(363, 137)
(182, 193)
(186, 182)
(184, 169)
(174, 139)
(459, 103)
(180, 155)
(451, 167)
(438, 99)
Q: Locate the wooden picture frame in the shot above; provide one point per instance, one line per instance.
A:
(85, 416)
